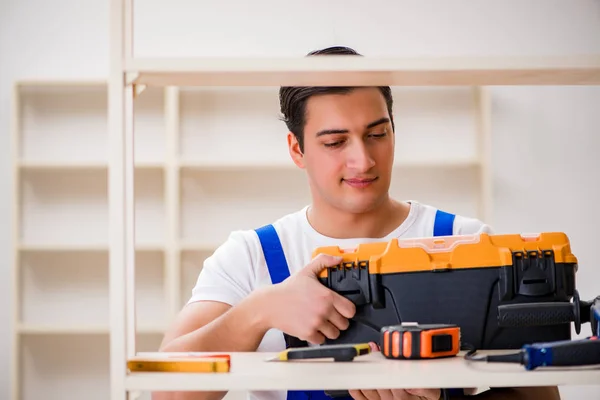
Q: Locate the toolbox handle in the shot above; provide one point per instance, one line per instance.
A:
(535, 314)
(551, 313)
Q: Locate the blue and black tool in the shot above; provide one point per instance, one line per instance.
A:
(564, 353)
(559, 353)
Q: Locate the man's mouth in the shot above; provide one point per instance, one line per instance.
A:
(359, 183)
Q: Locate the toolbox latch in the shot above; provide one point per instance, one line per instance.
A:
(352, 280)
(535, 273)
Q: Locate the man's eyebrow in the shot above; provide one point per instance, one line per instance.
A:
(380, 121)
(338, 131)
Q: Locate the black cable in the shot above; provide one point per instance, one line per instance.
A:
(393, 301)
(487, 313)
(506, 358)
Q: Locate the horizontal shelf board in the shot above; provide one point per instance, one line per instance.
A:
(66, 248)
(361, 71)
(231, 165)
(62, 165)
(198, 246)
(29, 329)
(57, 83)
(250, 371)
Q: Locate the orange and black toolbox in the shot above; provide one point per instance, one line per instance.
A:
(502, 291)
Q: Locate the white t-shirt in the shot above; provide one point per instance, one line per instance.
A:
(238, 267)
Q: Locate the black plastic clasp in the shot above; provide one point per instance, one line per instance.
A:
(352, 280)
(535, 273)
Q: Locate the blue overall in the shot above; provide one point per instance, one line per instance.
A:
(279, 271)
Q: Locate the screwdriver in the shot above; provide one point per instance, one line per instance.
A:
(560, 353)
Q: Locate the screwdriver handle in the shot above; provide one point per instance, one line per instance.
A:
(563, 353)
(595, 316)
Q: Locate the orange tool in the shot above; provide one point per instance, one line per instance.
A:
(415, 341)
(187, 362)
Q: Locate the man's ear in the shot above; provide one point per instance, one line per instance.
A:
(294, 149)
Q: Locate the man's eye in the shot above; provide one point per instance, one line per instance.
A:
(333, 144)
(378, 135)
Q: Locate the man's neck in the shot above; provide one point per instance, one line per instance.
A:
(375, 223)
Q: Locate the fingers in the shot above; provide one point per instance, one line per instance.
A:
(320, 262)
(395, 394)
(357, 395)
(338, 320)
(371, 394)
(385, 394)
(329, 330)
(344, 306)
(425, 393)
(401, 394)
(316, 338)
(374, 346)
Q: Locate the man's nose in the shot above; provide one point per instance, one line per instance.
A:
(359, 158)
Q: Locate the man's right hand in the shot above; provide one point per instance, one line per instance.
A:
(303, 307)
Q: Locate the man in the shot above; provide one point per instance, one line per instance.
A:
(344, 139)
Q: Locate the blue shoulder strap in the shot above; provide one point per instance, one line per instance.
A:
(444, 224)
(279, 271)
(273, 252)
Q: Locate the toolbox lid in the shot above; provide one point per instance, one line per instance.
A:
(452, 252)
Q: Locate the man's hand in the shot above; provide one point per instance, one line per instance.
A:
(395, 394)
(303, 307)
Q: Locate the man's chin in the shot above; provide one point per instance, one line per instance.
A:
(361, 206)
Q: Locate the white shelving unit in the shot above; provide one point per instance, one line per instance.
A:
(195, 181)
(61, 275)
(81, 270)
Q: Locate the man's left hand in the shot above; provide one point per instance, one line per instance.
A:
(395, 394)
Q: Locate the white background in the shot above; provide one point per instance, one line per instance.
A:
(550, 135)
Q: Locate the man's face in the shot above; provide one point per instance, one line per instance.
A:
(348, 149)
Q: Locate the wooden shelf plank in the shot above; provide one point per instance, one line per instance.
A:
(198, 246)
(33, 329)
(250, 371)
(93, 165)
(92, 248)
(285, 165)
(361, 71)
(61, 83)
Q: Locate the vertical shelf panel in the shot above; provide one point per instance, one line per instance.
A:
(67, 207)
(62, 123)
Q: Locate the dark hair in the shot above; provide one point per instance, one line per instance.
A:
(292, 99)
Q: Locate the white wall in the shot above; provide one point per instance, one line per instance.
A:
(552, 133)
